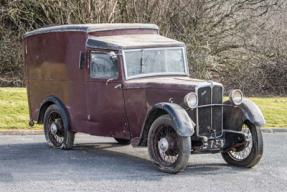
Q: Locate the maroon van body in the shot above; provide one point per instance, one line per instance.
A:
(58, 72)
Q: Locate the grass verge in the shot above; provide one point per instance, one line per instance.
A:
(14, 112)
(274, 110)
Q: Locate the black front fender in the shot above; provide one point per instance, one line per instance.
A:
(234, 118)
(184, 126)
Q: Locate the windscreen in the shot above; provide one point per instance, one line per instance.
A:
(146, 62)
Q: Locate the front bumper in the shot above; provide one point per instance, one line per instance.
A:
(227, 141)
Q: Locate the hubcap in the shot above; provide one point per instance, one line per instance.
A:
(163, 145)
(54, 129)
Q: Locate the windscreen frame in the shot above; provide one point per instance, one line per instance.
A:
(186, 73)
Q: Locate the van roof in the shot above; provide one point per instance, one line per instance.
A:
(90, 28)
(118, 42)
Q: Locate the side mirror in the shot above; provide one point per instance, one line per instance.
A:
(81, 60)
(113, 56)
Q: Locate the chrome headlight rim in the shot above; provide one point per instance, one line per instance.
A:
(231, 96)
(186, 100)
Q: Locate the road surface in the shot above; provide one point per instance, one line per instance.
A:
(100, 164)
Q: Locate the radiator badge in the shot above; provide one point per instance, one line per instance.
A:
(203, 93)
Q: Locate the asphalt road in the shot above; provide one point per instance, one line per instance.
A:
(100, 164)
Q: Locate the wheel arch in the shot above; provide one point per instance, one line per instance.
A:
(184, 126)
(48, 101)
(234, 118)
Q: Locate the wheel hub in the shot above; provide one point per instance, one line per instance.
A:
(54, 129)
(163, 145)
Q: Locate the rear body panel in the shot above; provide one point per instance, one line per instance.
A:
(47, 73)
(52, 69)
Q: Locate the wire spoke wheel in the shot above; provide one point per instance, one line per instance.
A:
(252, 152)
(168, 151)
(165, 144)
(56, 134)
(55, 128)
(241, 155)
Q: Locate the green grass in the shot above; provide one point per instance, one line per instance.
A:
(274, 110)
(14, 112)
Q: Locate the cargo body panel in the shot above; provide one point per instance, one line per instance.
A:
(52, 69)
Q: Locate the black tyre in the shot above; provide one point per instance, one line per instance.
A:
(168, 151)
(123, 141)
(56, 135)
(253, 151)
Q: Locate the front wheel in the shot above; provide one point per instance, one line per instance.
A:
(168, 151)
(253, 151)
(56, 135)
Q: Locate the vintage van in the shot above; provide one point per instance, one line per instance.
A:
(128, 82)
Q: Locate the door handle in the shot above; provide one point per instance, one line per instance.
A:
(118, 86)
(108, 81)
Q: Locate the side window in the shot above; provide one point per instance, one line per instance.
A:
(102, 67)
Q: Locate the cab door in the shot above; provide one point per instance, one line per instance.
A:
(106, 107)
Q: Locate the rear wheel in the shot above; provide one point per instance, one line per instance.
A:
(56, 135)
(251, 154)
(168, 151)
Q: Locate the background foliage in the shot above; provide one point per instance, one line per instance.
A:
(240, 43)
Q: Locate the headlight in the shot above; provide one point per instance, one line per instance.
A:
(190, 100)
(236, 97)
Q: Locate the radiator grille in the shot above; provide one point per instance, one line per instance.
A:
(209, 117)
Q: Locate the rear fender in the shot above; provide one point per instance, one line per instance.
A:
(234, 118)
(184, 126)
(50, 100)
